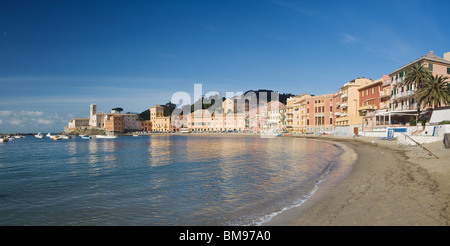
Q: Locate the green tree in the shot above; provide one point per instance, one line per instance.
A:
(434, 92)
(417, 75)
(169, 108)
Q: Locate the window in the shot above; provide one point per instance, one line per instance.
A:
(307, 122)
(331, 121)
(373, 90)
(448, 70)
(430, 67)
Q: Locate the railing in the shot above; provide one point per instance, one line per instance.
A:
(403, 94)
(399, 80)
(384, 94)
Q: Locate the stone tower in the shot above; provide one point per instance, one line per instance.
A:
(93, 110)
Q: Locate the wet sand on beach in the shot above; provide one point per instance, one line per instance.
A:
(388, 185)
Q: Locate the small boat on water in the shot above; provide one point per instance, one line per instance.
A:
(48, 135)
(3, 140)
(135, 135)
(39, 135)
(85, 137)
(106, 136)
(56, 137)
(66, 137)
(19, 136)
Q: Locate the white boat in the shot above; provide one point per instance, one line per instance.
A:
(19, 136)
(39, 135)
(106, 136)
(66, 137)
(135, 135)
(3, 140)
(56, 137)
(48, 135)
(85, 137)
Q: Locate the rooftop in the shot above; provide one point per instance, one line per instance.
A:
(429, 57)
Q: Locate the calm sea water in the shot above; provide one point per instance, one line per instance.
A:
(158, 180)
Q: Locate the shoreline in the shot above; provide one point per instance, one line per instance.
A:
(387, 185)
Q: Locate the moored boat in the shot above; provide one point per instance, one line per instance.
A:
(55, 137)
(85, 137)
(3, 140)
(106, 136)
(39, 135)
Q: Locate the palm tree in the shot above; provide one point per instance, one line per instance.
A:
(417, 75)
(434, 91)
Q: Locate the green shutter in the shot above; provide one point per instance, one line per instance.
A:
(430, 66)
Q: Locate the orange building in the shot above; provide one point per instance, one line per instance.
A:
(146, 125)
(114, 123)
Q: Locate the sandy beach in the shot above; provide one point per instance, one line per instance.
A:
(387, 185)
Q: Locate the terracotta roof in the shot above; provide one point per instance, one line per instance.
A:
(430, 57)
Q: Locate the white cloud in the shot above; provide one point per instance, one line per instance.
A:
(348, 39)
(44, 121)
(32, 121)
(5, 113)
(15, 122)
(31, 113)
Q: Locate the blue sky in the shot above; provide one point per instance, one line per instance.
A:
(57, 57)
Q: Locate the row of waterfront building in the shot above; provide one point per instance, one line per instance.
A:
(364, 103)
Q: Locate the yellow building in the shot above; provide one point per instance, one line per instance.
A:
(299, 113)
(160, 123)
(349, 114)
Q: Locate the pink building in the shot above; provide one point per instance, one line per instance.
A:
(320, 114)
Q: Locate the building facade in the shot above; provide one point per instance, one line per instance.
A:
(160, 123)
(124, 123)
(369, 102)
(349, 114)
(403, 103)
(320, 115)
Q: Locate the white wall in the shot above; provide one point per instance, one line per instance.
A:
(440, 115)
(403, 140)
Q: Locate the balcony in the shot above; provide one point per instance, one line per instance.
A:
(398, 81)
(344, 95)
(344, 105)
(384, 94)
(403, 94)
